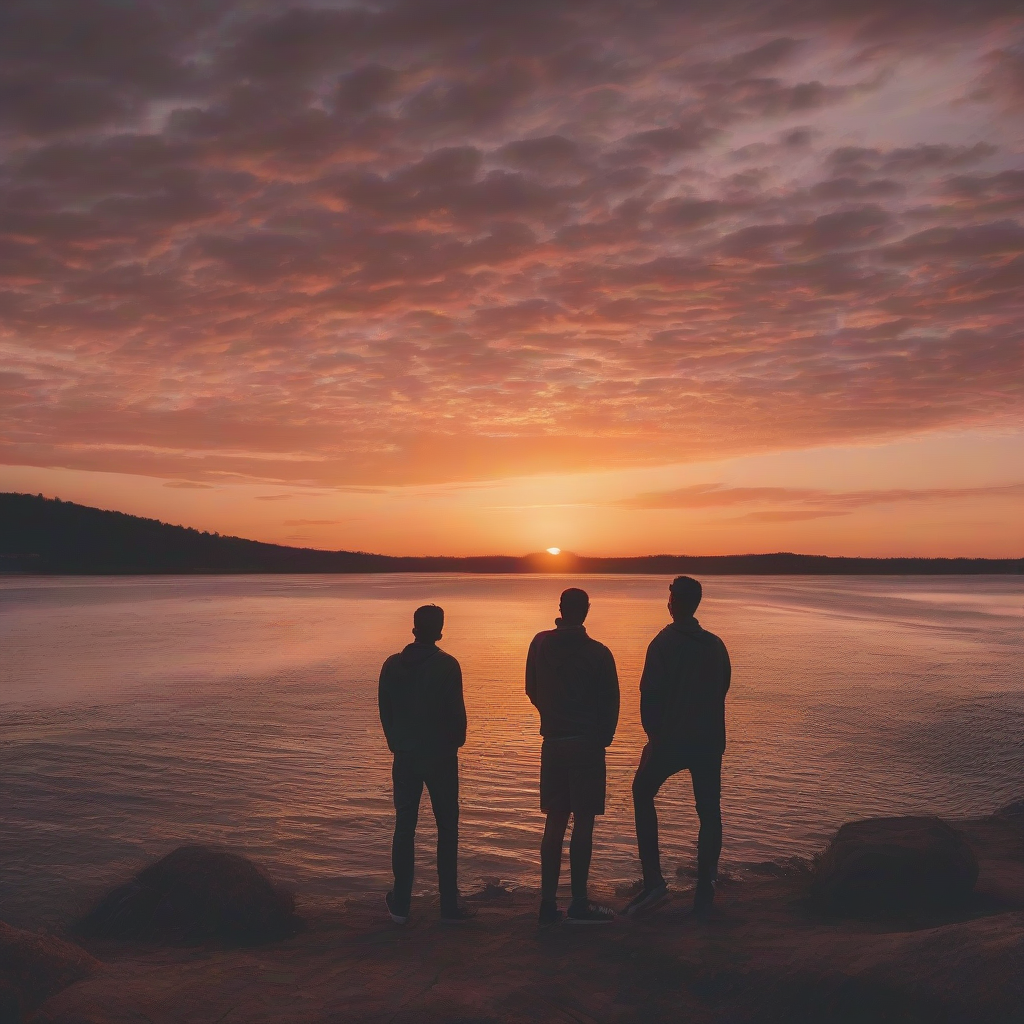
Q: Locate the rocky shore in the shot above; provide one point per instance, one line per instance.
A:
(786, 942)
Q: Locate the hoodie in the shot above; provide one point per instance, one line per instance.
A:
(420, 701)
(571, 680)
(682, 691)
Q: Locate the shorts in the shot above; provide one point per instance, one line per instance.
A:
(572, 776)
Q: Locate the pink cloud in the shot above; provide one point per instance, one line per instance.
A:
(425, 241)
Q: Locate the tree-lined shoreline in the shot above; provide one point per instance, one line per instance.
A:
(47, 536)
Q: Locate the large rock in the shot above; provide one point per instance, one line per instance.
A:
(194, 894)
(883, 866)
(34, 967)
(1012, 813)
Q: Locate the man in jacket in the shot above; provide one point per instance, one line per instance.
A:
(571, 680)
(424, 719)
(682, 708)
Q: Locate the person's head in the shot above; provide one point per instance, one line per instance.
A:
(574, 605)
(427, 623)
(684, 594)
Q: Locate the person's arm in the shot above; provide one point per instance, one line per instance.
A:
(531, 674)
(610, 697)
(387, 713)
(652, 692)
(457, 705)
(728, 668)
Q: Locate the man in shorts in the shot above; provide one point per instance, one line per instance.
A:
(571, 680)
(682, 707)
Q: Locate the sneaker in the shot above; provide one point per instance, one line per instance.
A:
(549, 913)
(704, 897)
(648, 898)
(459, 914)
(589, 913)
(395, 915)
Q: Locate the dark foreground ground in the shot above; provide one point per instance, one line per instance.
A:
(764, 955)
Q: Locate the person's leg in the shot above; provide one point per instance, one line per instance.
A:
(652, 772)
(407, 787)
(442, 781)
(551, 854)
(707, 795)
(555, 802)
(581, 848)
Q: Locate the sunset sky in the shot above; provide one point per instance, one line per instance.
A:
(470, 276)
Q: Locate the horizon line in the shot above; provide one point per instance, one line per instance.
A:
(542, 555)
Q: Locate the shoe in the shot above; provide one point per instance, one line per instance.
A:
(648, 898)
(395, 915)
(704, 897)
(459, 914)
(549, 913)
(589, 913)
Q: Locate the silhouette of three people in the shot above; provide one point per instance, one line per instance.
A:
(572, 681)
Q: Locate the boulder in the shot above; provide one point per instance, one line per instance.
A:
(493, 890)
(1012, 813)
(884, 866)
(195, 894)
(33, 967)
(786, 867)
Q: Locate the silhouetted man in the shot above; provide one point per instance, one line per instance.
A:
(424, 720)
(571, 680)
(682, 707)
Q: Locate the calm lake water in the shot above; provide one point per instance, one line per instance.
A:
(137, 714)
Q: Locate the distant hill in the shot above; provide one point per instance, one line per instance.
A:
(47, 535)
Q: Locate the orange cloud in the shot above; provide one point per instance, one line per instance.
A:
(409, 242)
(794, 504)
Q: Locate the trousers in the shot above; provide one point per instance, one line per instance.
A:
(658, 765)
(439, 772)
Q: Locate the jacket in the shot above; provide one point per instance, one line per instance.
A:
(420, 700)
(571, 680)
(682, 691)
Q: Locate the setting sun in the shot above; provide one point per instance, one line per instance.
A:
(554, 551)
